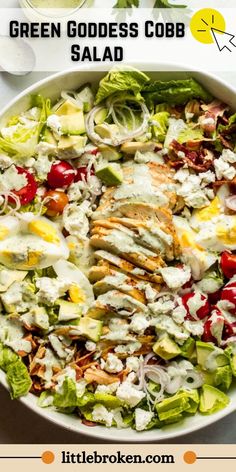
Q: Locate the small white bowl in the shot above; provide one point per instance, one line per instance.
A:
(51, 87)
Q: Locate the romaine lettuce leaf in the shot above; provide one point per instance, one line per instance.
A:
(67, 398)
(7, 357)
(130, 80)
(175, 92)
(18, 378)
(160, 127)
(190, 134)
(23, 139)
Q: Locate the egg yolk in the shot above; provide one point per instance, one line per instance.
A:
(44, 230)
(76, 294)
(226, 235)
(3, 232)
(210, 211)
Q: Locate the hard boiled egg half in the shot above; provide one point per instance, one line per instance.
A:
(81, 290)
(216, 230)
(30, 242)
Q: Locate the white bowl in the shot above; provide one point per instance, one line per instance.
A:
(51, 87)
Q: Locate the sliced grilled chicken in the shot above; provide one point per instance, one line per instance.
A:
(116, 302)
(150, 183)
(127, 267)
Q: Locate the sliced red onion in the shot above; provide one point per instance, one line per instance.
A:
(232, 339)
(230, 202)
(196, 380)
(174, 384)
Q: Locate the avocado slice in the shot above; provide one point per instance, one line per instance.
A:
(48, 137)
(203, 352)
(73, 124)
(90, 328)
(187, 349)
(170, 407)
(100, 116)
(109, 401)
(67, 108)
(68, 310)
(71, 146)
(106, 131)
(109, 153)
(110, 174)
(166, 348)
(212, 400)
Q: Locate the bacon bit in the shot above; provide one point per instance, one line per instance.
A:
(200, 160)
(82, 361)
(226, 143)
(193, 106)
(89, 365)
(22, 353)
(232, 182)
(79, 373)
(88, 423)
(100, 377)
(216, 108)
(123, 374)
(36, 388)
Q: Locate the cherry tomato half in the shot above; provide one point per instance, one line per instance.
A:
(27, 193)
(62, 174)
(202, 311)
(56, 202)
(229, 294)
(82, 173)
(228, 264)
(207, 336)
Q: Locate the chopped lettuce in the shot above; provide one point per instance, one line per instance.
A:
(160, 123)
(190, 134)
(175, 92)
(116, 80)
(67, 397)
(18, 378)
(7, 357)
(45, 400)
(20, 140)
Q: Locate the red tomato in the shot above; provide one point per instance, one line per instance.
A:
(62, 174)
(94, 152)
(56, 203)
(214, 297)
(228, 264)
(207, 336)
(202, 312)
(27, 193)
(228, 330)
(229, 294)
(82, 173)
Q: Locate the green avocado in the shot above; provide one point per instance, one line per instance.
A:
(109, 152)
(71, 146)
(67, 108)
(68, 310)
(187, 349)
(73, 124)
(223, 377)
(109, 401)
(48, 137)
(110, 174)
(90, 328)
(212, 400)
(106, 131)
(203, 352)
(170, 407)
(166, 348)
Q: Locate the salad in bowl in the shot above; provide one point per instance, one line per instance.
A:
(117, 240)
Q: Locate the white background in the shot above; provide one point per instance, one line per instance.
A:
(19, 425)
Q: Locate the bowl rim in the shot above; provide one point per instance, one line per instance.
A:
(100, 432)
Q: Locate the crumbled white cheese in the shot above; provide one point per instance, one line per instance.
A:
(179, 313)
(51, 289)
(90, 346)
(113, 364)
(208, 121)
(196, 328)
(138, 323)
(162, 307)
(5, 161)
(175, 277)
(181, 175)
(228, 156)
(42, 166)
(75, 219)
(223, 170)
(128, 348)
(165, 324)
(110, 389)
(129, 394)
(101, 414)
(11, 180)
(54, 123)
(142, 418)
(74, 193)
(132, 363)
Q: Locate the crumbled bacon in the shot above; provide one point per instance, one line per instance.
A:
(200, 160)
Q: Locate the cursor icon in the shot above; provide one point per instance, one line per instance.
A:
(223, 40)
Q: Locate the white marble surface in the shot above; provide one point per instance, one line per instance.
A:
(17, 423)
